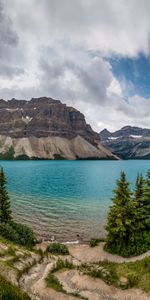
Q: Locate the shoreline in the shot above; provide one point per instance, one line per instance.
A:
(74, 242)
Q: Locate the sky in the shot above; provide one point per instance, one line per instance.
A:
(93, 55)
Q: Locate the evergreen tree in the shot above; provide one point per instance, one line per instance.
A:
(145, 202)
(138, 194)
(120, 224)
(5, 210)
(128, 223)
(139, 188)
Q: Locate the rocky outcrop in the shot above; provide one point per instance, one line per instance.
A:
(46, 128)
(128, 142)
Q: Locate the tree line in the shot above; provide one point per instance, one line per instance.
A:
(9, 229)
(128, 222)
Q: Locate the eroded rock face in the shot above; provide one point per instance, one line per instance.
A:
(43, 127)
(43, 117)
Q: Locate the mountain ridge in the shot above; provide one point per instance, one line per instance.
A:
(129, 142)
(46, 128)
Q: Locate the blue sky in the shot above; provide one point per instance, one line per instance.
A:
(134, 72)
(93, 55)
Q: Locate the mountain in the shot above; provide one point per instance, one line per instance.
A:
(46, 128)
(128, 142)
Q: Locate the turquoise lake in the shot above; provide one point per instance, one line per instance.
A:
(66, 198)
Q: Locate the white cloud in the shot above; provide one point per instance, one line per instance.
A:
(120, 26)
(58, 49)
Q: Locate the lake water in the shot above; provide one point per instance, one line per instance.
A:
(66, 198)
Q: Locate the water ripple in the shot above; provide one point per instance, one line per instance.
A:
(65, 198)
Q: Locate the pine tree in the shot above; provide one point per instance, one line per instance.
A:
(128, 223)
(5, 210)
(138, 194)
(145, 202)
(139, 188)
(120, 224)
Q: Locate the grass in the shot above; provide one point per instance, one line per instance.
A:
(54, 283)
(3, 253)
(137, 273)
(11, 251)
(26, 268)
(52, 280)
(24, 253)
(103, 270)
(10, 292)
(12, 261)
(62, 265)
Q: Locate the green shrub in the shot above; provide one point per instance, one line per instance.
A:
(22, 157)
(18, 233)
(58, 156)
(58, 249)
(10, 292)
(8, 155)
(138, 244)
(94, 242)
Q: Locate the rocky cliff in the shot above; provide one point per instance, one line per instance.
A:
(46, 128)
(128, 142)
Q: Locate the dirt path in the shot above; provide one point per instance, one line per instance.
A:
(96, 289)
(84, 253)
(34, 283)
(75, 282)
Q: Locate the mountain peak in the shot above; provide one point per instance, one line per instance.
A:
(128, 142)
(43, 127)
(104, 134)
(105, 130)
